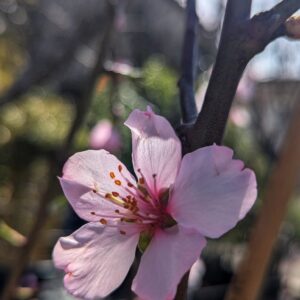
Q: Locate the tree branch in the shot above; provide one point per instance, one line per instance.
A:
(241, 40)
(285, 9)
(186, 90)
(188, 66)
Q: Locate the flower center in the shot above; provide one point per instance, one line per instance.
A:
(137, 206)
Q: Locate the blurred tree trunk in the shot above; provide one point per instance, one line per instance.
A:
(248, 280)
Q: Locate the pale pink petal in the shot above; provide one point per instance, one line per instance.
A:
(170, 254)
(88, 176)
(212, 191)
(156, 149)
(95, 258)
(86, 203)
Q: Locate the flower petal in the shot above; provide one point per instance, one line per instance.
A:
(87, 204)
(88, 176)
(212, 191)
(169, 256)
(156, 149)
(95, 258)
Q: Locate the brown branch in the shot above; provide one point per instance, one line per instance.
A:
(285, 9)
(188, 66)
(187, 94)
(248, 280)
(241, 40)
(55, 167)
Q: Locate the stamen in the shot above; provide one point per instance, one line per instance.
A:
(114, 199)
(154, 181)
(135, 210)
(138, 193)
(103, 221)
(126, 179)
(112, 175)
(123, 232)
(107, 217)
(131, 185)
(147, 221)
(147, 188)
(144, 216)
(135, 192)
(141, 226)
(115, 194)
(128, 215)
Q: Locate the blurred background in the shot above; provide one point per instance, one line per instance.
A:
(70, 73)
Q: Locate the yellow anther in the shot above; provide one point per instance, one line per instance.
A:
(114, 199)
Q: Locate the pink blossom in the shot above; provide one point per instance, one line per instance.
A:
(105, 136)
(121, 67)
(246, 89)
(177, 202)
(240, 116)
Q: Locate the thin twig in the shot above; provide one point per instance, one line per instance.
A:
(49, 193)
(187, 94)
(188, 65)
(241, 40)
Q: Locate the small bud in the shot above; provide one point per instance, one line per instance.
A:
(292, 26)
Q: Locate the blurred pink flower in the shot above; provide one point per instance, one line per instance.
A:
(239, 116)
(246, 89)
(105, 136)
(175, 202)
(121, 67)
